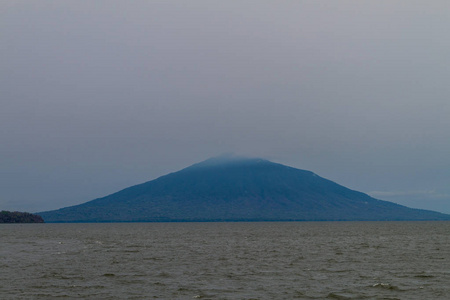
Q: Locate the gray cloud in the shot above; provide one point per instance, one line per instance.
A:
(96, 96)
(433, 194)
(426, 199)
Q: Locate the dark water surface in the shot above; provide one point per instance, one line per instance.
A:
(337, 260)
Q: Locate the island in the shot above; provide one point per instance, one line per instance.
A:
(19, 217)
(230, 188)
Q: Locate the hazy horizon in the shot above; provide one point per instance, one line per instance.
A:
(98, 96)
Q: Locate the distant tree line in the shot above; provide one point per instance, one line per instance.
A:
(19, 217)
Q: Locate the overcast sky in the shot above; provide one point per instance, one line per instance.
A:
(96, 96)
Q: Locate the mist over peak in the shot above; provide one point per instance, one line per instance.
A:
(227, 159)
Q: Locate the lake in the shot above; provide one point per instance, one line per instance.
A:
(279, 260)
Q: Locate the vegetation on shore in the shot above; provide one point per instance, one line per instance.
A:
(19, 217)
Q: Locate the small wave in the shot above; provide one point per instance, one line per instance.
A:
(386, 286)
(337, 296)
(62, 276)
(164, 274)
(152, 258)
(424, 276)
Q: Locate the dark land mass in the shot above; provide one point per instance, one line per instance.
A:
(238, 189)
(19, 217)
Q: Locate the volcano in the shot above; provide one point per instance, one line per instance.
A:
(238, 189)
